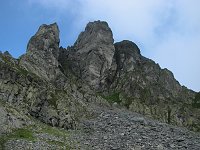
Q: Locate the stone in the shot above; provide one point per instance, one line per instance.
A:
(95, 86)
(146, 88)
(42, 53)
(92, 53)
(127, 55)
(11, 119)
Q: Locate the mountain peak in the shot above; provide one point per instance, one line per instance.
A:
(98, 25)
(95, 32)
(45, 39)
(94, 51)
(43, 51)
(92, 86)
(48, 28)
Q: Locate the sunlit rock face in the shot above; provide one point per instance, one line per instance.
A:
(42, 53)
(92, 53)
(56, 85)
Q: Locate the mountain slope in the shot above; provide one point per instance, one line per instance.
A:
(53, 87)
(130, 79)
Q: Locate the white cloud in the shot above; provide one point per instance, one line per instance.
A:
(127, 17)
(168, 31)
(179, 49)
(181, 55)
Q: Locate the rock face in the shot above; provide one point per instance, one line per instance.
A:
(35, 84)
(61, 86)
(127, 55)
(42, 53)
(122, 75)
(142, 86)
(38, 98)
(10, 119)
(92, 53)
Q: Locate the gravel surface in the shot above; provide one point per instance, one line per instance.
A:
(114, 129)
(118, 129)
(28, 145)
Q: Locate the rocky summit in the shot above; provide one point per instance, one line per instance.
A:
(95, 94)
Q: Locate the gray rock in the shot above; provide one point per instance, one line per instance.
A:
(144, 87)
(92, 53)
(42, 53)
(127, 55)
(10, 119)
(64, 87)
(125, 130)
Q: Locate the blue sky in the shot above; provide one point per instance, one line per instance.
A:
(167, 31)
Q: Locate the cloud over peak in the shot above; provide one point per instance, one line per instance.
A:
(167, 31)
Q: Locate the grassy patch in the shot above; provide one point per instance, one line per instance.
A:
(195, 127)
(23, 134)
(22, 71)
(113, 98)
(54, 131)
(196, 101)
(57, 132)
(145, 95)
(17, 134)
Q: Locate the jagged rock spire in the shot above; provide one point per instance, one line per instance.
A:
(42, 52)
(94, 51)
(96, 32)
(46, 39)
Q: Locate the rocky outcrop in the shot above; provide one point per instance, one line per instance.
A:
(120, 74)
(42, 53)
(91, 56)
(11, 118)
(56, 85)
(127, 55)
(142, 86)
(35, 84)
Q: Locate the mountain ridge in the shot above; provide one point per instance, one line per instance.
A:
(60, 86)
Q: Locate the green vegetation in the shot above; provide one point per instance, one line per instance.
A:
(53, 100)
(145, 95)
(61, 133)
(196, 101)
(113, 98)
(22, 133)
(54, 131)
(30, 134)
(195, 127)
(5, 59)
(22, 71)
